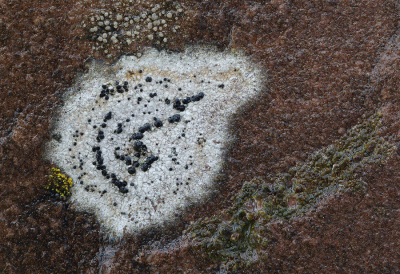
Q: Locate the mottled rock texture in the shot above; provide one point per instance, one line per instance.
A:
(328, 62)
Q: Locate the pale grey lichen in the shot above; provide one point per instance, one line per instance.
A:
(140, 150)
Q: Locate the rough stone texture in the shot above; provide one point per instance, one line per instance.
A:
(39, 58)
(329, 62)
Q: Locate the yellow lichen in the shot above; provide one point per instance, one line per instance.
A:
(59, 183)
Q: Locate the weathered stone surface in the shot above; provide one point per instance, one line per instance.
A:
(329, 63)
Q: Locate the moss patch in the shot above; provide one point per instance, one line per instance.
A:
(235, 236)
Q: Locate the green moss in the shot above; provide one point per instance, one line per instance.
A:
(59, 183)
(327, 171)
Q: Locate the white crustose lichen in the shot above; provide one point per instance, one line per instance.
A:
(145, 137)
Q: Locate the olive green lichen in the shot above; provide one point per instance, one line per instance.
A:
(236, 236)
(59, 183)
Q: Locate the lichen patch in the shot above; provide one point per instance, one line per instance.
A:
(145, 138)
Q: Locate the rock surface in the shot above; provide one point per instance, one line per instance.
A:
(331, 64)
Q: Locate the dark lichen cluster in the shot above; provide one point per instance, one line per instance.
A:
(237, 235)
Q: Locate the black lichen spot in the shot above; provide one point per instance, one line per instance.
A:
(178, 106)
(151, 159)
(174, 118)
(137, 136)
(144, 128)
(108, 116)
(139, 146)
(131, 170)
(186, 100)
(158, 123)
(123, 190)
(144, 167)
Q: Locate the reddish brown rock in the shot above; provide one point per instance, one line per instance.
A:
(328, 64)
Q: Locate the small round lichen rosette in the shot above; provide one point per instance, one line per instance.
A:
(145, 137)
